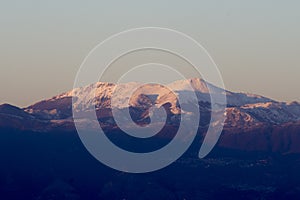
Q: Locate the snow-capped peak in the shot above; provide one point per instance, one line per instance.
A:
(104, 95)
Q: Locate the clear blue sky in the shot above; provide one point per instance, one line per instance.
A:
(256, 43)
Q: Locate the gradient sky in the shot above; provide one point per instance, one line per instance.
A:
(256, 44)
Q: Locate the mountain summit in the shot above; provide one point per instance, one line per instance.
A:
(249, 117)
(99, 95)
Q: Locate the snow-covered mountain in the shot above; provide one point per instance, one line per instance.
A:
(252, 122)
(243, 109)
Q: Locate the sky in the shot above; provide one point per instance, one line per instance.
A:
(255, 44)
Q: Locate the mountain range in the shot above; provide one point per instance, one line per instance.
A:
(253, 122)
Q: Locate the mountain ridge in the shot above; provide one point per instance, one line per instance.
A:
(249, 117)
(60, 106)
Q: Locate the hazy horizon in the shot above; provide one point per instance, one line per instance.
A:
(255, 44)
